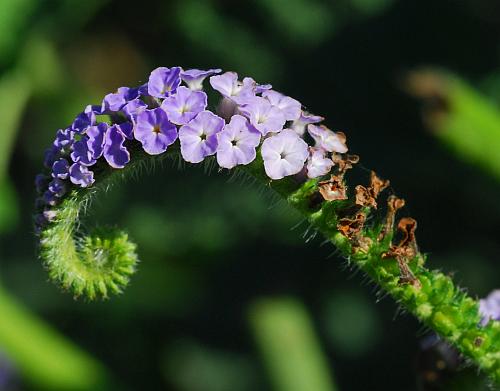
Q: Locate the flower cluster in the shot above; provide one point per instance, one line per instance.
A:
(173, 105)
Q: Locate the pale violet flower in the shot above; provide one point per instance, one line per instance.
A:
(194, 77)
(489, 307)
(154, 131)
(184, 105)
(299, 125)
(199, 137)
(263, 115)
(237, 143)
(327, 139)
(164, 81)
(230, 87)
(318, 164)
(284, 154)
(290, 107)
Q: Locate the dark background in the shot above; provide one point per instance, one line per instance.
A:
(210, 248)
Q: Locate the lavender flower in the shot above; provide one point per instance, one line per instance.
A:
(290, 107)
(57, 187)
(263, 115)
(81, 175)
(184, 105)
(114, 152)
(115, 101)
(81, 153)
(133, 108)
(64, 140)
(237, 143)
(230, 87)
(95, 141)
(328, 140)
(155, 131)
(199, 137)
(60, 169)
(41, 182)
(299, 125)
(84, 120)
(127, 129)
(164, 81)
(489, 307)
(51, 155)
(284, 154)
(194, 77)
(317, 164)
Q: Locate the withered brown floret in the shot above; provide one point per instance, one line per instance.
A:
(405, 251)
(333, 189)
(367, 196)
(351, 227)
(393, 205)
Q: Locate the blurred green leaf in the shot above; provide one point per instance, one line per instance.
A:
(14, 15)
(301, 21)
(191, 367)
(351, 323)
(45, 358)
(467, 122)
(291, 351)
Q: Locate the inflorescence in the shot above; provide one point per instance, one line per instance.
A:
(172, 106)
(273, 138)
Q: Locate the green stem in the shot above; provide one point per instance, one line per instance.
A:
(95, 265)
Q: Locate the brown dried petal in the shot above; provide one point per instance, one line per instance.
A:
(333, 189)
(364, 197)
(351, 227)
(377, 184)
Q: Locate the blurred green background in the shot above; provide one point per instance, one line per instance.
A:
(228, 296)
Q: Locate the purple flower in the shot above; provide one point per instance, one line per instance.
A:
(81, 153)
(60, 169)
(164, 81)
(57, 187)
(114, 152)
(95, 141)
(327, 139)
(237, 143)
(317, 164)
(184, 105)
(81, 175)
(155, 131)
(489, 307)
(230, 87)
(127, 129)
(299, 125)
(84, 120)
(41, 182)
(64, 139)
(115, 101)
(133, 108)
(51, 155)
(199, 137)
(263, 115)
(194, 77)
(50, 198)
(284, 154)
(290, 107)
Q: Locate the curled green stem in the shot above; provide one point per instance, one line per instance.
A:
(101, 263)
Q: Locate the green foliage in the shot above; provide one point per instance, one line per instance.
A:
(285, 335)
(45, 359)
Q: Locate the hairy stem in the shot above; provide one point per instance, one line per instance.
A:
(100, 263)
